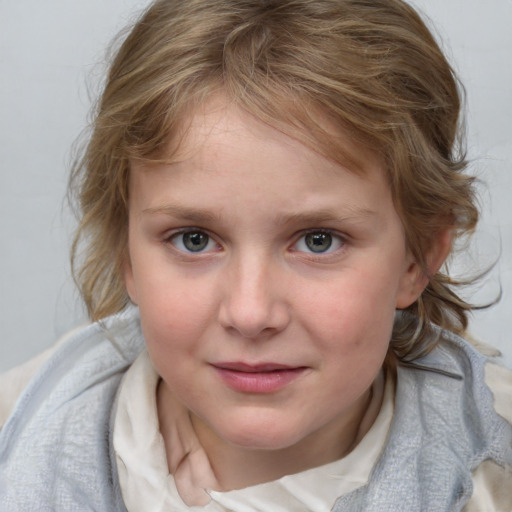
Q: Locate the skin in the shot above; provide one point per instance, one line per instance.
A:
(257, 293)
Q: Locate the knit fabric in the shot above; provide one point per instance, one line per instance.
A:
(444, 427)
(56, 448)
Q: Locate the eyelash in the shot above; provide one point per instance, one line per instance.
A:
(338, 240)
(175, 235)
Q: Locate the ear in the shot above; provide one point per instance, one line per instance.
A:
(415, 278)
(129, 280)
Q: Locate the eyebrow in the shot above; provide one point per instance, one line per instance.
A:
(349, 213)
(198, 215)
(181, 212)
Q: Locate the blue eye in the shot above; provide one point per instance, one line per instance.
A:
(318, 242)
(193, 241)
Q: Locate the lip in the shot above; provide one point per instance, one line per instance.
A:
(259, 378)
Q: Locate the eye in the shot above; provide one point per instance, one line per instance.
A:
(193, 241)
(318, 242)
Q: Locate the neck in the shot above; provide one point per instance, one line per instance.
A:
(236, 467)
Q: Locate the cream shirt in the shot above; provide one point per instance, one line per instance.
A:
(147, 485)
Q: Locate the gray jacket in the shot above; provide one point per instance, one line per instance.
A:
(56, 450)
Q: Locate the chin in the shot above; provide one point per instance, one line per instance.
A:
(261, 435)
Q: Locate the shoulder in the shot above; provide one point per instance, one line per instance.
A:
(492, 482)
(116, 338)
(15, 380)
(499, 380)
(58, 435)
(492, 478)
(467, 383)
(496, 376)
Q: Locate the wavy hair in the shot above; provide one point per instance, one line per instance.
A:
(371, 67)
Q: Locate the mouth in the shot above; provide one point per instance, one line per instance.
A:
(257, 378)
(254, 368)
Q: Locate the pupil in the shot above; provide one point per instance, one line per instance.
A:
(318, 242)
(195, 241)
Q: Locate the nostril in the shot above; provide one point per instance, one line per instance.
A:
(252, 304)
(254, 323)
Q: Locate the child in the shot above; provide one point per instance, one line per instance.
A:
(267, 198)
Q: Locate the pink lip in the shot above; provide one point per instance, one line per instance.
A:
(257, 378)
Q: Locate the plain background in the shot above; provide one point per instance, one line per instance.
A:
(52, 58)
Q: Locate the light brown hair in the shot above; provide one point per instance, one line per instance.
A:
(370, 66)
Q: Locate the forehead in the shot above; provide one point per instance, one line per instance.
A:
(222, 149)
(218, 119)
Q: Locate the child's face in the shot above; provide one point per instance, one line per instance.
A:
(267, 279)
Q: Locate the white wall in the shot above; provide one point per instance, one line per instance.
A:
(51, 54)
(478, 38)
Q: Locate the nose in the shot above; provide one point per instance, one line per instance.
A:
(254, 301)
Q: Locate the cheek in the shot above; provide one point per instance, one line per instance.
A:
(176, 312)
(172, 316)
(352, 314)
(171, 332)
